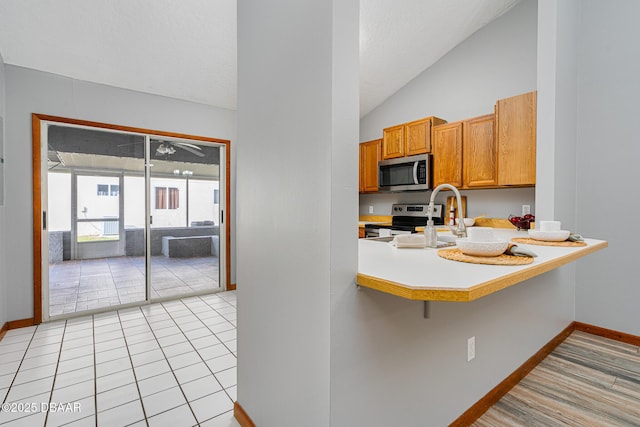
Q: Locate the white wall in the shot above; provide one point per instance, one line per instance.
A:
(608, 71)
(297, 201)
(3, 237)
(29, 91)
(496, 62)
(556, 191)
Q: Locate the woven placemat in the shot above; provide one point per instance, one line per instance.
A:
(457, 255)
(529, 241)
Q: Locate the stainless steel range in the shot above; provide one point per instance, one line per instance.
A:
(404, 220)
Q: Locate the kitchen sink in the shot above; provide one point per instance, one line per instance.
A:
(387, 239)
(380, 239)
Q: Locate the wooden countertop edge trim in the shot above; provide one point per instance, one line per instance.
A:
(477, 291)
(375, 218)
(430, 294)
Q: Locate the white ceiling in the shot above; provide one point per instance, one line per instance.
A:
(187, 49)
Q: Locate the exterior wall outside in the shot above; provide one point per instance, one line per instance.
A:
(201, 201)
(496, 62)
(29, 91)
(608, 56)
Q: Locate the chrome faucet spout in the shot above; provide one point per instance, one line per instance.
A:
(461, 230)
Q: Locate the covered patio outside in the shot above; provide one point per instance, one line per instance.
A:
(78, 285)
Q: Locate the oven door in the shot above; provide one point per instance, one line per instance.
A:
(382, 231)
(404, 174)
(393, 232)
(371, 232)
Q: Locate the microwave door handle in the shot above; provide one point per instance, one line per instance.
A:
(415, 173)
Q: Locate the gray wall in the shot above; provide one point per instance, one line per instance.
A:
(607, 292)
(3, 237)
(29, 91)
(297, 254)
(496, 62)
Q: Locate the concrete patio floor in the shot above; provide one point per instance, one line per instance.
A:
(80, 285)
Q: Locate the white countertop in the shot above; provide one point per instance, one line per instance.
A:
(421, 274)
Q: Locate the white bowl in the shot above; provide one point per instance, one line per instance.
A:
(468, 222)
(549, 236)
(481, 234)
(475, 248)
(549, 226)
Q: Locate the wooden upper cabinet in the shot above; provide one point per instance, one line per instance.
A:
(479, 152)
(409, 139)
(418, 135)
(393, 142)
(369, 158)
(516, 139)
(447, 154)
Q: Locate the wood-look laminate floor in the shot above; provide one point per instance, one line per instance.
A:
(586, 381)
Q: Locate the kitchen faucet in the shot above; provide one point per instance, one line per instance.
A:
(461, 230)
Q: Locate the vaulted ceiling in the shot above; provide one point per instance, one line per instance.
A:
(187, 49)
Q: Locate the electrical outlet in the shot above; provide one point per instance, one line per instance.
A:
(370, 209)
(526, 210)
(471, 349)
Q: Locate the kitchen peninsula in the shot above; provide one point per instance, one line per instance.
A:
(422, 275)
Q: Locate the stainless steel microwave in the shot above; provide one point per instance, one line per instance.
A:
(405, 173)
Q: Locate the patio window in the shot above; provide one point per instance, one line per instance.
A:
(108, 190)
(167, 198)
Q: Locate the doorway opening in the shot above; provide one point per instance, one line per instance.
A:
(125, 216)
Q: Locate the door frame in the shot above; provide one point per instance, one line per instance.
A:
(36, 129)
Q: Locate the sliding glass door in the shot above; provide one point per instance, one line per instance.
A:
(185, 217)
(128, 218)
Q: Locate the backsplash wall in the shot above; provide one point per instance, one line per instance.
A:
(492, 203)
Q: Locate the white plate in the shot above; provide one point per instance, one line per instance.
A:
(549, 236)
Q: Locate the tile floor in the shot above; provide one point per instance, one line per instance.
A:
(165, 364)
(79, 285)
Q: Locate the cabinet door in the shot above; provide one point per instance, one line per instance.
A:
(360, 168)
(393, 142)
(418, 137)
(516, 136)
(447, 154)
(479, 152)
(369, 158)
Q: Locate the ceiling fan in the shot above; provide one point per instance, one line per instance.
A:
(167, 148)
